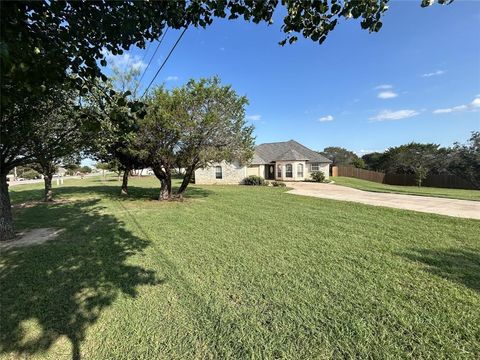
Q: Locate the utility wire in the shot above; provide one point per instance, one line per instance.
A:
(165, 61)
(151, 59)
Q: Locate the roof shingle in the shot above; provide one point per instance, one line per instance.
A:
(286, 150)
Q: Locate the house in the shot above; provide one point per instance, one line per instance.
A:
(284, 161)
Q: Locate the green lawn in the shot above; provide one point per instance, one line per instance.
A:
(412, 190)
(236, 272)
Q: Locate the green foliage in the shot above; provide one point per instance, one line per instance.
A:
(86, 169)
(464, 160)
(359, 163)
(31, 174)
(278, 184)
(193, 126)
(339, 155)
(318, 176)
(253, 180)
(373, 161)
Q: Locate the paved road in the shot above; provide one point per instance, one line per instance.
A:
(442, 206)
(54, 181)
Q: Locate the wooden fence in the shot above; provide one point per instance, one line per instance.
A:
(442, 181)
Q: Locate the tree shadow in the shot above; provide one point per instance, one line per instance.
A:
(111, 191)
(458, 265)
(63, 285)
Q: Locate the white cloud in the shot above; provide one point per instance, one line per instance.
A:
(470, 107)
(255, 117)
(387, 115)
(125, 61)
(172, 78)
(383, 87)
(435, 73)
(387, 95)
(326, 118)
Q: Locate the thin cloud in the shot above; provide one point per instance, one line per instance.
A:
(125, 61)
(383, 87)
(387, 95)
(387, 115)
(435, 73)
(172, 78)
(326, 118)
(255, 117)
(475, 104)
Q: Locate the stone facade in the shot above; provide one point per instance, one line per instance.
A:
(231, 173)
(235, 173)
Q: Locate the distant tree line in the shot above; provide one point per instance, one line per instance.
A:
(420, 160)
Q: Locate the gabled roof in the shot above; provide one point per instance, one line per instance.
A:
(286, 150)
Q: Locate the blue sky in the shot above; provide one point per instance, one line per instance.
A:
(418, 79)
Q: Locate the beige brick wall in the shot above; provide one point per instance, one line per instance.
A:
(323, 168)
(232, 173)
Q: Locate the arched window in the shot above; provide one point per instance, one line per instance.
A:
(288, 171)
(300, 170)
(218, 172)
(279, 171)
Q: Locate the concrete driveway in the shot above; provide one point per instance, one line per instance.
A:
(442, 206)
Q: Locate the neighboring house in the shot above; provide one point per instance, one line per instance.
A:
(61, 171)
(285, 161)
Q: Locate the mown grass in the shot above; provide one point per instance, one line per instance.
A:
(360, 184)
(237, 272)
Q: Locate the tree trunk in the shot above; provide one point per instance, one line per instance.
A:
(186, 180)
(165, 187)
(47, 178)
(165, 178)
(7, 230)
(125, 183)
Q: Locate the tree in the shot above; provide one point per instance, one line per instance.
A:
(191, 127)
(214, 127)
(414, 158)
(46, 44)
(57, 134)
(45, 41)
(373, 161)
(86, 169)
(465, 160)
(339, 155)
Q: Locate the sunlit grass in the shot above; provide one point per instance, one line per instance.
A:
(237, 272)
(412, 190)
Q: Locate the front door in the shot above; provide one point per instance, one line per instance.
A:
(269, 172)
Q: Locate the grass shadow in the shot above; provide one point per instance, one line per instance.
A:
(62, 286)
(458, 265)
(109, 191)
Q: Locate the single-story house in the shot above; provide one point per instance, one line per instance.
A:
(283, 161)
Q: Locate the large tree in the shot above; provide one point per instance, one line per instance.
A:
(45, 44)
(191, 127)
(57, 135)
(464, 160)
(415, 158)
(340, 156)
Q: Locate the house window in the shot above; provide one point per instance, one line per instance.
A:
(279, 171)
(300, 170)
(315, 167)
(218, 172)
(288, 171)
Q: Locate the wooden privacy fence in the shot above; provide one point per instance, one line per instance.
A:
(442, 181)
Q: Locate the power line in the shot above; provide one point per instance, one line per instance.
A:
(165, 61)
(151, 59)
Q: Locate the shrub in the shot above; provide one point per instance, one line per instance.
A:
(254, 180)
(278, 183)
(318, 176)
(31, 174)
(266, 183)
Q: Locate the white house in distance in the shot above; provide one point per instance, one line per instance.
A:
(283, 161)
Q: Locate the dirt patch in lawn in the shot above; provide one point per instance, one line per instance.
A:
(31, 237)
